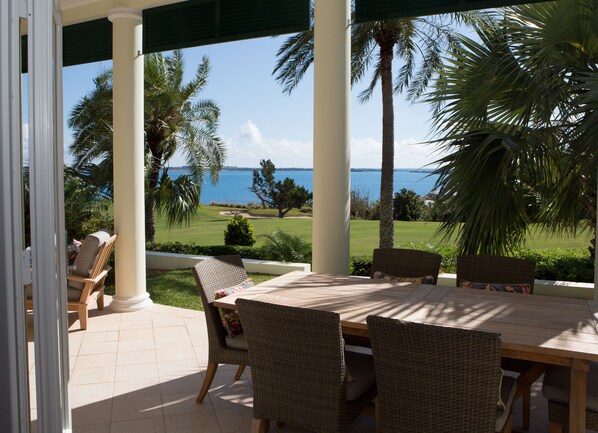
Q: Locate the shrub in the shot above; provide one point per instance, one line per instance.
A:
(239, 231)
(361, 266)
(286, 247)
(206, 250)
(362, 207)
(551, 264)
(408, 206)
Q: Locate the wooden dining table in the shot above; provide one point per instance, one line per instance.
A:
(544, 329)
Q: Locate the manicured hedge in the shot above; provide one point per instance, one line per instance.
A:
(551, 264)
(206, 250)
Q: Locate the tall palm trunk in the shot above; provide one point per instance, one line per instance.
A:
(154, 176)
(388, 138)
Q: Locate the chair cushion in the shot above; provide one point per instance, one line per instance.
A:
(513, 288)
(87, 256)
(363, 377)
(508, 387)
(237, 342)
(426, 279)
(71, 294)
(556, 385)
(230, 317)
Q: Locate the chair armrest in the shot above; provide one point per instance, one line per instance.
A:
(88, 280)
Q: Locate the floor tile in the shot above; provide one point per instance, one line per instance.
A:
(125, 408)
(147, 425)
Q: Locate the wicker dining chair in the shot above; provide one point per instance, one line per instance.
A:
(299, 368)
(436, 379)
(505, 270)
(211, 275)
(495, 269)
(406, 263)
(555, 389)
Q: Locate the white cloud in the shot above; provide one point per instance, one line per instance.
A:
(367, 153)
(251, 133)
(247, 148)
(250, 145)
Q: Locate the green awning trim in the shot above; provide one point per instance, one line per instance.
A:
(379, 10)
(202, 22)
(86, 42)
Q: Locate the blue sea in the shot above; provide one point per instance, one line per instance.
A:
(233, 185)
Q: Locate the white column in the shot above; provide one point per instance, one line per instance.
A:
(332, 81)
(128, 157)
(14, 387)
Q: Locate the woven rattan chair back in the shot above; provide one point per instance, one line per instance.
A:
(435, 379)
(211, 275)
(297, 366)
(406, 263)
(495, 269)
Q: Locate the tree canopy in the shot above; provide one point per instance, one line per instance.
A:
(516, 117)
(417, 44)
(283, 195)
(175, 121)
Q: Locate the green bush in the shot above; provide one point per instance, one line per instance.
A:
(286, 247)
(239, 231)
(206, 250)
(361, 266)
(551, 264)
(407, 205)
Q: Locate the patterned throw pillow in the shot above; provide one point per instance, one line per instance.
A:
(230, 317)
(513, 288)
(426, 279)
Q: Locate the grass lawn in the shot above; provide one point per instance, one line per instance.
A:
(208, 229)
(177, 288)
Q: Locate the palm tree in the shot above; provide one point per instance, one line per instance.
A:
(516, 115)
(174, 121)
(418, 43)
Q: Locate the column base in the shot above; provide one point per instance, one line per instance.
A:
(122, 304)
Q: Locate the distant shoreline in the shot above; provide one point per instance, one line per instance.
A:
(354, 170)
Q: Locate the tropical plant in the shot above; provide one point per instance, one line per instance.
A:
(516, 116)
(417, 43)
(175, 121)
(408, 205)
(283, 195)
(286, 247)
(239, 231)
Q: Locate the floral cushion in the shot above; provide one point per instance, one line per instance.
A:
(513, 288)
(230, 317)
(426, 279)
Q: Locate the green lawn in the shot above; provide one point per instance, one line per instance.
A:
(208, 229)
(177, 288)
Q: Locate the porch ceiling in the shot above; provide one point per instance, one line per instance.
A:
(78, 11)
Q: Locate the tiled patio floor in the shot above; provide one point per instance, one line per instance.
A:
(141, 372)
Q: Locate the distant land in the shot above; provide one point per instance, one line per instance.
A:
(354, 170)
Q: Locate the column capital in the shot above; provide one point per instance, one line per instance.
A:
(123, 12)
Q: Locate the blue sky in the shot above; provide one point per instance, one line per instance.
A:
(259, 121)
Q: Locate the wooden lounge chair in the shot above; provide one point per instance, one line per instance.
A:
(211, 275)
(299, 367)
(436, 379)
(406, 263)
(556, 388)
(505, 270)
(85, 282)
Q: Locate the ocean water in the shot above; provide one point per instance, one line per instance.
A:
(233, 185)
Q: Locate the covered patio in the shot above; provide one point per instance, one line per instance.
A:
(138, 366)
(141, 371)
